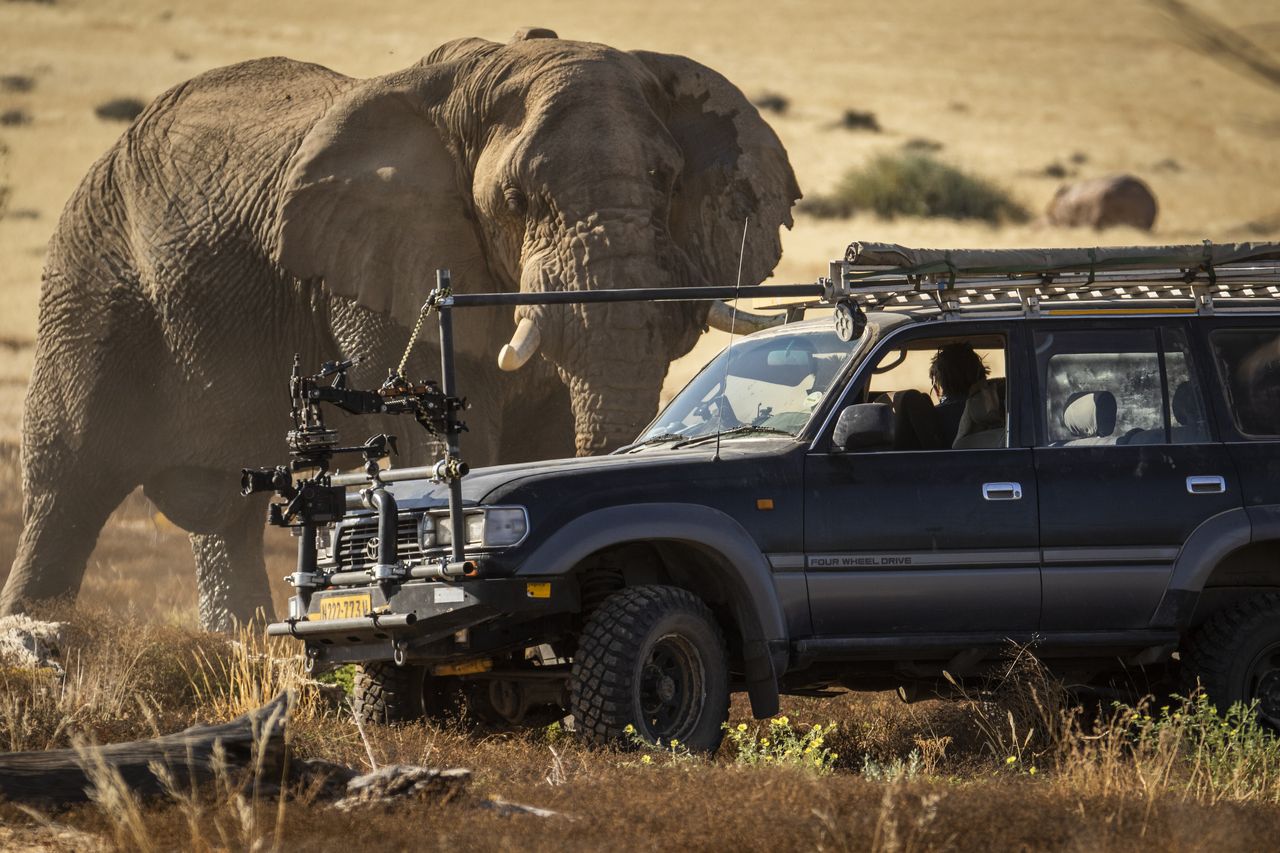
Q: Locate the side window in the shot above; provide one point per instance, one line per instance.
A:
(1117, 387)
(1249, 365)
(946, 392)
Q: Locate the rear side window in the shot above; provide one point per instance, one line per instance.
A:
(1249, 364)
(1118, 387)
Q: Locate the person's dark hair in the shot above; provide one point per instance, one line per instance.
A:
(955, 368)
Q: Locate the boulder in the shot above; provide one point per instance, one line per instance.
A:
(1103, 203)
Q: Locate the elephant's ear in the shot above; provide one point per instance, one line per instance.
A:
(372, 203)
(735, 168)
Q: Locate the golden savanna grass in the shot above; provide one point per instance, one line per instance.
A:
(1008, 90)
(1014, 767)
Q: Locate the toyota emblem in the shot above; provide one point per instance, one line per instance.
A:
(371, 549)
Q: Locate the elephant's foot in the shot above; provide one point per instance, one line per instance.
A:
(59, 530)
(231, 578)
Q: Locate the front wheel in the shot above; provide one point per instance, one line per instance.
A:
(654, 658)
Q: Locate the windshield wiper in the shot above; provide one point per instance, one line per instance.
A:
(657, 439)
(742, 430)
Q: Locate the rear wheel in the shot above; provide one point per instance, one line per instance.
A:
(1235, 655)
(386, 693)
(652, 657)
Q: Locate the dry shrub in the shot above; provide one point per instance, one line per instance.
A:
(18, 83)
(1186, 747)
(119, 109)
(772, 102)
(912, 183)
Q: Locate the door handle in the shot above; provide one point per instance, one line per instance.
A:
(1002, 491)
(1206, 485)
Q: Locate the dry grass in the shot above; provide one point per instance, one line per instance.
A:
(1012, 763)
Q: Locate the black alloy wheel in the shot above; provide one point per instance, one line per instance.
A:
(651, 658)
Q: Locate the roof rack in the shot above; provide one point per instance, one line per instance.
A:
(1206, 278)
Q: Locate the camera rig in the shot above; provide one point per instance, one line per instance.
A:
(320, 497)
(317, 497)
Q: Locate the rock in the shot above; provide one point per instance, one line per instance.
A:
(386, 785)
(1103, 203)
(30, 643)
(507, 809)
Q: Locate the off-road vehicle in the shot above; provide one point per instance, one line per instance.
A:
(1104, 484)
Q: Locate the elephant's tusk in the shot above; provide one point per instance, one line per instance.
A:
(524, 343)
(722, 317)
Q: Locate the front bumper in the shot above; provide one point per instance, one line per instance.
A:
(409, 621)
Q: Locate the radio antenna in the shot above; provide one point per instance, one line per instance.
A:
(728, 354)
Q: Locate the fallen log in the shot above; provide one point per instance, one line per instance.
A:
(252, 741)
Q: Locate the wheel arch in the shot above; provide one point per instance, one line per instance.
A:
(1232, 554)
(725, 560)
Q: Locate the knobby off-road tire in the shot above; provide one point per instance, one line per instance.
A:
(652, 657)
(386, 693)
(1235, 655)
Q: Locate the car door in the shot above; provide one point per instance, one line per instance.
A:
(925, 541)
(1126, 463)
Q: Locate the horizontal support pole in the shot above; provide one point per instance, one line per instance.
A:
(638, 294)
(358, 625)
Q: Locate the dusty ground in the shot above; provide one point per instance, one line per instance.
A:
(1007, 88)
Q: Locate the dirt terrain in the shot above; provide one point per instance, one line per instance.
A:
(1020, 93)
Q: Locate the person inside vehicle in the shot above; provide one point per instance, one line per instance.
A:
(954, 373)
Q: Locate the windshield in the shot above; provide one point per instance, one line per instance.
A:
(772, 384)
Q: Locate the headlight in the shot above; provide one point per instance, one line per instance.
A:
(494, 527)
(426, 531)
(504, 526)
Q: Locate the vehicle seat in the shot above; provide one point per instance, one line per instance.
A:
(983, 423)
(1090, 418)
(1189, 416)
(1189, 423)
(915, 422)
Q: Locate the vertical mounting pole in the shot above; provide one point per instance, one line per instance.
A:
(448, 384)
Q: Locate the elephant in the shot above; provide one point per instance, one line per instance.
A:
(1103, 203)
(277, 207)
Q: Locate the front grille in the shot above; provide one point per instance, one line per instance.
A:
(354, 539)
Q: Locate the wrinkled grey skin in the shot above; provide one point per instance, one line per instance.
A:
(1103, 203)
(276, 207)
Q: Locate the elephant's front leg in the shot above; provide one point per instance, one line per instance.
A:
(231, 578)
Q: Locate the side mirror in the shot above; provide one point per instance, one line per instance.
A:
(864, 426)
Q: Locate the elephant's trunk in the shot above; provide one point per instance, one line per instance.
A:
(615, 389)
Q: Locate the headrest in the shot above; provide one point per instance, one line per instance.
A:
(1090, 414)
(1185, 410)
(982, 410)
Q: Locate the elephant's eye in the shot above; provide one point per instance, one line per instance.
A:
(516, 201)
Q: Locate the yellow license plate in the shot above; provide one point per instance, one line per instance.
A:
(346, 606)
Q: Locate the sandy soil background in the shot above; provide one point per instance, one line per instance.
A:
(1007, 88)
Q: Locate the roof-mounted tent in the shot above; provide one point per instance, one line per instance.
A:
(1197, 278)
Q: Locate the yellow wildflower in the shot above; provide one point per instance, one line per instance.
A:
(647, 759)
